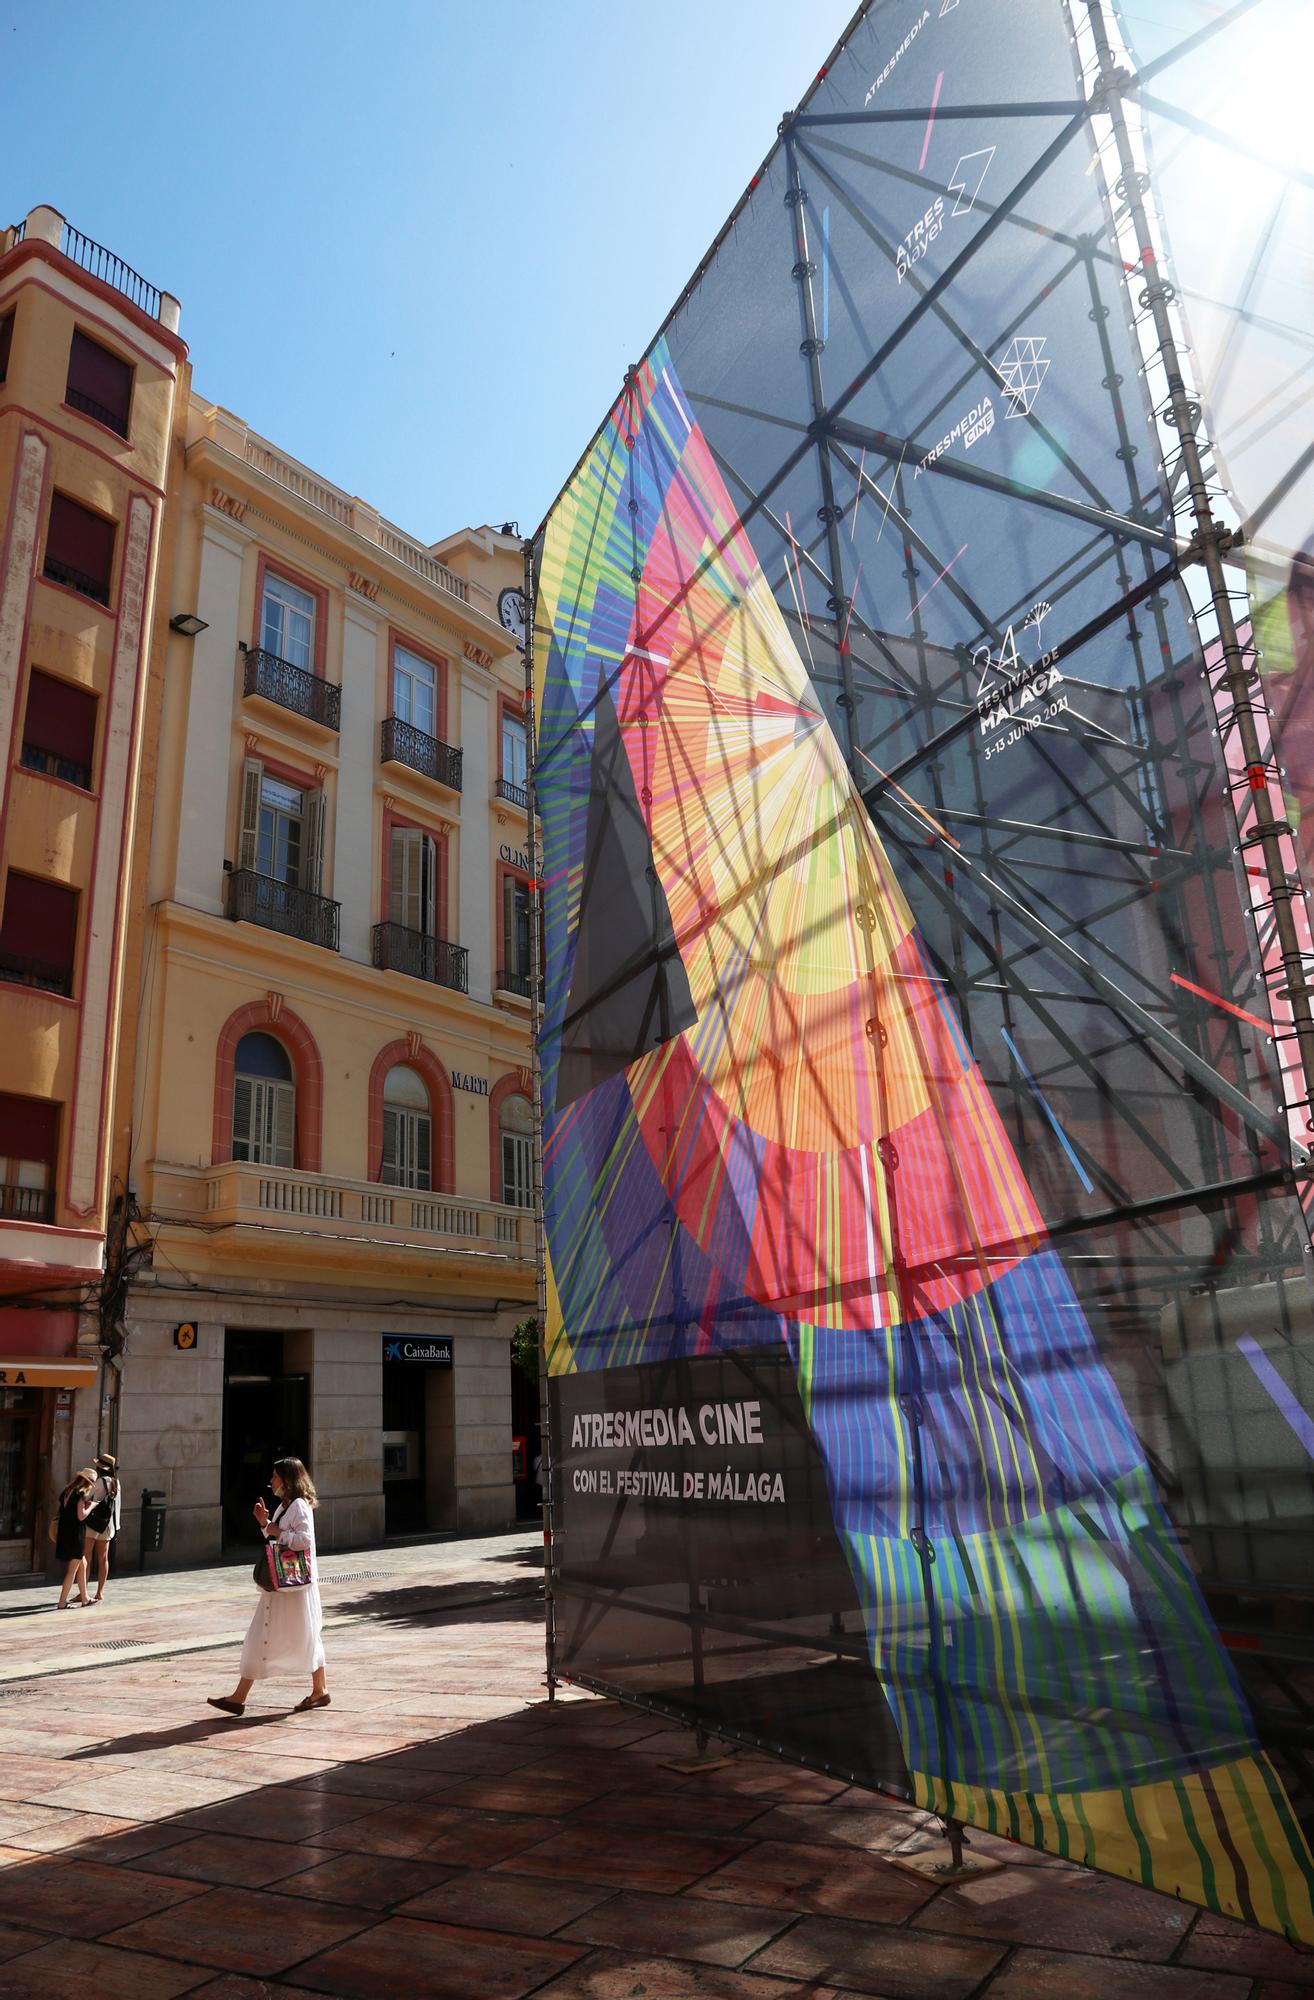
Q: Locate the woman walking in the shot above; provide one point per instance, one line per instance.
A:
(70, 1535)
(104, 1518)
(285, 1635)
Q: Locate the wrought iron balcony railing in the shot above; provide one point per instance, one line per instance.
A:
(516, 795)
(397, 949)
(18, 970)
(281, 906)
(514, 982)
(402, 743)
(292, 687)
(26, 1204)
(77, 399)
(52, 765)
(76, 579)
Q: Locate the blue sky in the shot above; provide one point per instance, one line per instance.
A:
(416, 242)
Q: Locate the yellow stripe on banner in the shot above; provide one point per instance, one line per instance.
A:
(560, 1354)
(1178, 1825)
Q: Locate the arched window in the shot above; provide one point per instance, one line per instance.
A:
(516, 1128)
(264, 1102)
(407, 1130)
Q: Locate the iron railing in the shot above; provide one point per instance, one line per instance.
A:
(397, 949)
(18, 970)
(78, 399)
(281, 906)
(292, 687)
(76, 579)
(52, 765)
(514, 982)
(111, 270)
(26, 1204)
(516, 795)
(402, 743)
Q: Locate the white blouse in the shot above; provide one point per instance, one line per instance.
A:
(296, 1526)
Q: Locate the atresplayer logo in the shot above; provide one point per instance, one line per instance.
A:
(919, 238)
(1015, 695)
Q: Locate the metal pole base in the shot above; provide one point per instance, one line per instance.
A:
(704, 1759)
(943, 1860)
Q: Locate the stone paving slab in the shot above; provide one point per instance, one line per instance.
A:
(444, 1833)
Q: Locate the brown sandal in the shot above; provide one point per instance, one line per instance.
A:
(226, 1703)
(312, 1701)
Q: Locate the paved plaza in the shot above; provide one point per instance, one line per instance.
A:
(441, 1831)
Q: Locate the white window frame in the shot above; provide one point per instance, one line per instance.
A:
(270, 1137)
(517, 1156)
(409, 672)
(281, 604)
(515, 736)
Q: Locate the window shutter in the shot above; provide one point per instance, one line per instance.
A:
(423, 1152)
(411, 879)
(312, 841)
(428, 885)
(388, 1166)
(508, 923)
(242, 1118)
(285, 1119)
(248, 838)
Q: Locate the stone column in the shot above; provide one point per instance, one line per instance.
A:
(170, 1437)
(474, 906)
(355, 852)
(211, 676)
(346, 1435)
(485, 1490)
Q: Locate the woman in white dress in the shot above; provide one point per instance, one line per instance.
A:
(286, 1634)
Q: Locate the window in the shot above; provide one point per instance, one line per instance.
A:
(407, 1130)
(264, 1102)
(516, 1124)
(415, 691)
(282, 830)
(79, 548)
(99, 383)
(59, 729)
(39, 933)
(29, 1137)
(514, 973)
(515, 749)
(287, 622)
(6, 337)
(413, 880)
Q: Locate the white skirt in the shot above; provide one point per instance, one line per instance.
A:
(285, 1636)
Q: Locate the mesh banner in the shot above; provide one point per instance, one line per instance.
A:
(929, 1325)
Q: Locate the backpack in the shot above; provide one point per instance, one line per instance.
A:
(103, 1512)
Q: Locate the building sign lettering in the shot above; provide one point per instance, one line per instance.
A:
(435, 1350)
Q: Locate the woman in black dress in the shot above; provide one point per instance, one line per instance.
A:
(74, 1504)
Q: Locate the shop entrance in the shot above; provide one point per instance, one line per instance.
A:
(266, 1416)
(418, 1434)
(20, 1427)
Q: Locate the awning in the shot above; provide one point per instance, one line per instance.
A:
(46, 1371)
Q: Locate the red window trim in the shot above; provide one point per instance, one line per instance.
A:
(397, 637)
(507, 704)
(425, 1063)
(390, 820)
(517, 1083)
(267, 565)
(288, 1029)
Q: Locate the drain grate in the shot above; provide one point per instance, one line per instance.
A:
(15, 1694)
(356, 1575)
(113, 1645)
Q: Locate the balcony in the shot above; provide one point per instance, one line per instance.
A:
(52, 765)
(26, 1204)
(519, 983)
(76, 579)
(292, 688)
(515, 795)
(113, 420)
(402, 743)
(281, 906)
(16, 970)
(408, 1222)
(397, 949)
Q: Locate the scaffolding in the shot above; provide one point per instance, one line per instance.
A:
(939, 358)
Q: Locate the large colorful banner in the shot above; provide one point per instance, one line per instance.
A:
(926, 1273)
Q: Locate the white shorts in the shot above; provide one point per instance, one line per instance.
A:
(98, 1535)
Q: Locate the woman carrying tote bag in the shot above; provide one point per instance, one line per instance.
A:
(286, 1634)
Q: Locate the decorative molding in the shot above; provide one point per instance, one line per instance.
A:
(525, 1079)
(275, 1005)
(414, 1043)
(252, 745)
(321, 772)
(477, 654)
(364, 586)
(228, 503)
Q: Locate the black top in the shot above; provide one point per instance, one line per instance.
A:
(71, 1539)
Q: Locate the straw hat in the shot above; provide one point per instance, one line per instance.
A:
(107, 1462)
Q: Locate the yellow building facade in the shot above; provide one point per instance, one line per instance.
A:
(331, 1131)
(90, 367)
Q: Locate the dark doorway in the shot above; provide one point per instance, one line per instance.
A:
(526, 1440)
(405, 1508)
(266, 1416)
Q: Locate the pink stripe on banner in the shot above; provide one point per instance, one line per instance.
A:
(926, 142)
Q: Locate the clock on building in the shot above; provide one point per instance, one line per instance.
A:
(511, 611)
